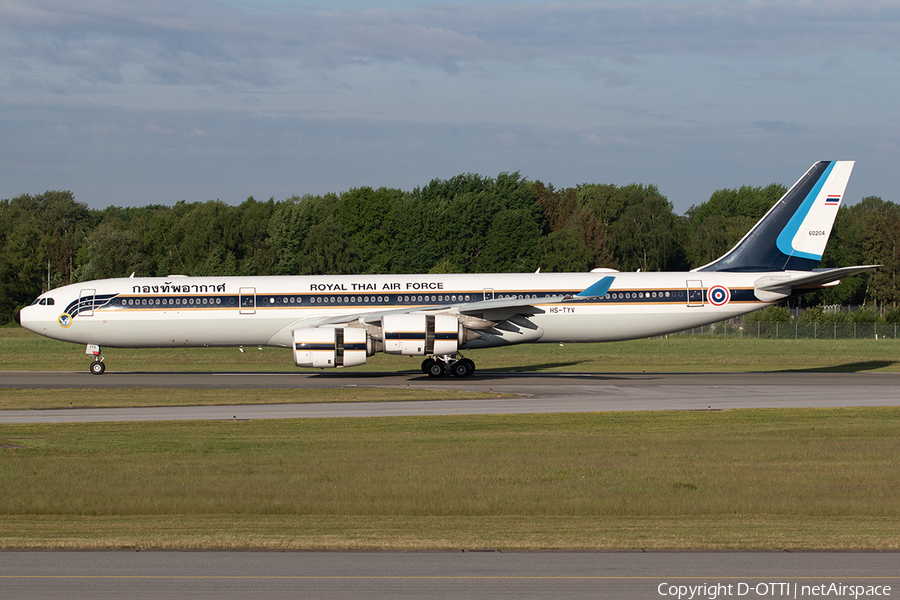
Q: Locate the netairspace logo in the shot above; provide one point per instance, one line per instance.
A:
(771, 590)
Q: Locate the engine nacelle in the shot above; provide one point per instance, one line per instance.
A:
(417, 334)
(326, 347)
(449, 334)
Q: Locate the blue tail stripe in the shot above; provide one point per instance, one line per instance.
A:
(786, 237)
(768, 246)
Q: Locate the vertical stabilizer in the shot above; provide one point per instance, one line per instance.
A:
(793, 234)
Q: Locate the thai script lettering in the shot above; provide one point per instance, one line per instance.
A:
(169, 288)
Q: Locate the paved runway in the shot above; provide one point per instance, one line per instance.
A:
(433, 575)
(531, 393)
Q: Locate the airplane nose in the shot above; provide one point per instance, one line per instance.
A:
(18, 318)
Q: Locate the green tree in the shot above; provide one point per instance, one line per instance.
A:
(23, 261)
(252, 252)
(112, 251)
(563, 251)
(289, 227)
(510, 243)
(715, 226)
(642, 227)
(327, 251)
(367, 217)
(39, 240)
(476, 223)
(566, 217)
(881, 243)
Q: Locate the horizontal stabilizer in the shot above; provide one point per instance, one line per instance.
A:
(772, 289)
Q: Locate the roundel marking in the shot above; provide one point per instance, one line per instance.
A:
(719, 295)
(64, 320)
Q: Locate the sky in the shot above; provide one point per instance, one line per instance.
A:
(135, 103)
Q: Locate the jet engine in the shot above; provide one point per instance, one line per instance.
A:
(325, 347)
(418, 334)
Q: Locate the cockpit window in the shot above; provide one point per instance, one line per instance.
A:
(44, 302)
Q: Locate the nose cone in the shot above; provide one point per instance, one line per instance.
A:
(18, 318)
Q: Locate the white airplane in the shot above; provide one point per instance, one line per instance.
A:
(340, 320)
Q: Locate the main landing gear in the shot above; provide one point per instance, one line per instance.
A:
(438, 366)
(98, 367)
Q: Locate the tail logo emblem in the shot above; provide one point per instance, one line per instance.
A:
(719, 295)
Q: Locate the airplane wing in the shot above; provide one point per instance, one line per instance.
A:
(498, 309)
(507, 314)
(777, 287)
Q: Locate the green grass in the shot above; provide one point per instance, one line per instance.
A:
(21, 350)
(804, 478)
(19, 399)
(797, 479)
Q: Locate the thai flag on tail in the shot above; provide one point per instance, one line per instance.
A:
(833, 199)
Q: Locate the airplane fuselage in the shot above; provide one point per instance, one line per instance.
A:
(263, 311)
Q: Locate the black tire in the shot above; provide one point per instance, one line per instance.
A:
(98, 368)
(460, 369)
(435, 369)
(426, 364)
(471, 364)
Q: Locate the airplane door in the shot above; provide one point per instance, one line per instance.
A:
(694, 293)
(488, 293)
(86, 303)
(248, 300)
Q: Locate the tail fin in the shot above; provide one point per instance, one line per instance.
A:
(793, 234)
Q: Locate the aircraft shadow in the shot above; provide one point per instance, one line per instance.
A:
(531, 368)
(506, 373)
(854, 367)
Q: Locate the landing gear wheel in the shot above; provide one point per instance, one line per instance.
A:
(426, 364)
(435, 369)
(471, 364)
(98, 368)
(462, 368)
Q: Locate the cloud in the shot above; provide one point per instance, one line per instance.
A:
(212, 43)
(779, 126)
(145, 102)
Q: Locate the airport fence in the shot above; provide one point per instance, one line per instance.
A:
(795, 330)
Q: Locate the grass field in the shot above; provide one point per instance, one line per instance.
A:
(24, 399)
(734, 479)
(796, 479)
(25, 351)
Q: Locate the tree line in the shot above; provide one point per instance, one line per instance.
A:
(465, 224)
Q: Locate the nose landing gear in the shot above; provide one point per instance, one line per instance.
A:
(98, 367)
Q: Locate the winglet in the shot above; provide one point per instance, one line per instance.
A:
(598, 289)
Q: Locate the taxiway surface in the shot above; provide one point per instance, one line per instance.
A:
(521, 393)
(432, 575)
